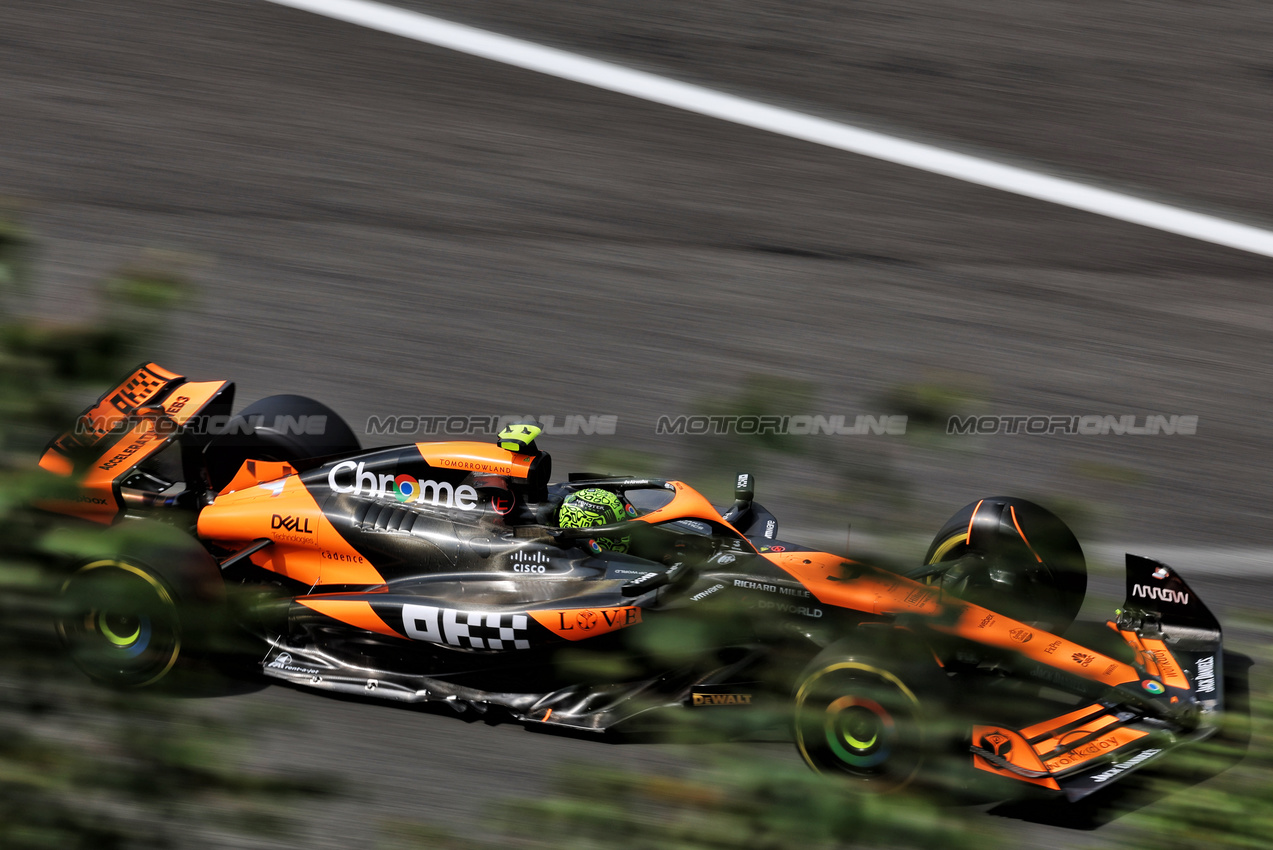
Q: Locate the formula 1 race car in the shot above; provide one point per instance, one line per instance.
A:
(447, 573)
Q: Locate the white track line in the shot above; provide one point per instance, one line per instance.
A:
(786, 122)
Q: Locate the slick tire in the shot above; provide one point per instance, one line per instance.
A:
(1020, 560)
(153, 597)
(867, 710)
(266, 430)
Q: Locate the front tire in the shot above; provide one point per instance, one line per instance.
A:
(1011, 556)
(865, 713)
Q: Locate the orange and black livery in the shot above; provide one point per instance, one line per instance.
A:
(444, 572)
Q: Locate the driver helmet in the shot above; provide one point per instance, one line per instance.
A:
(594, 506)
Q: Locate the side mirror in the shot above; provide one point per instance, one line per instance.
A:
(744, 490)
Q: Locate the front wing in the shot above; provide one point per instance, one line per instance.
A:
(1178, 643)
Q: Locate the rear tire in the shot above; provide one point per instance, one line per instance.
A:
(128, 617)
(274, 439)
(120, 624)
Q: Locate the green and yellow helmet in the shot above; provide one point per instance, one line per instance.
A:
(594, 506)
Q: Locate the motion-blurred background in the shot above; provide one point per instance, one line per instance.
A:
(396, 229)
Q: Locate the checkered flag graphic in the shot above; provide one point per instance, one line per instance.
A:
(466, 629)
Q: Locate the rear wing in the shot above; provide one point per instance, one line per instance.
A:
(126, 425)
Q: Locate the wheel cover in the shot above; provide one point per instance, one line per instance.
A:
(860, 731)
(860, 721)
(121, 624)
(115, 628)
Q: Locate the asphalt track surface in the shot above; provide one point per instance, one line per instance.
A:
(393, 228)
